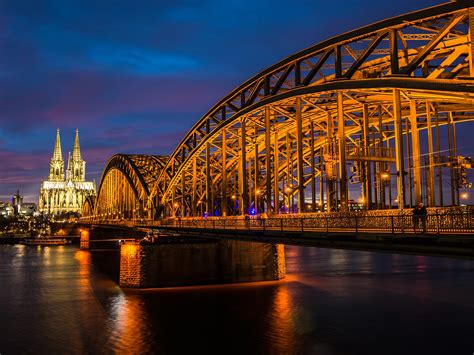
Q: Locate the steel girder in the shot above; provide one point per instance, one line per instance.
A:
(422, 56)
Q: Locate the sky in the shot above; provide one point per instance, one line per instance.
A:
(134, 76)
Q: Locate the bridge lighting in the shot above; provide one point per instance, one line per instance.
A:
(257, 192)
(384, 175)
(234, 197)
(464, 195)
(288, 189)
(175, 204)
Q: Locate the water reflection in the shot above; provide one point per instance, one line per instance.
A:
(282, 322)
(62, 302)
(129, 325)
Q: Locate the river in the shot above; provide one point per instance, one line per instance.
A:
(60, 300)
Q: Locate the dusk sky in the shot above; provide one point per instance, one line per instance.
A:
(134, 76)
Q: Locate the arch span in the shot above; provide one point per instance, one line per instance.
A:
(124, 188)
(371, 113)
(355, 108)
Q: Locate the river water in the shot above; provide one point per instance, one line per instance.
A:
(58, 300)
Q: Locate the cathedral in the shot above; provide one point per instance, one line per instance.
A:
(62, 193)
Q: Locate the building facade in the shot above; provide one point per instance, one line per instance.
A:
(65, 191)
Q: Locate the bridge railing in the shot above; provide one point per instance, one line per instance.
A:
(436, 223)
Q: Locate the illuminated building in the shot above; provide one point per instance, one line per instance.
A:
(65, 192)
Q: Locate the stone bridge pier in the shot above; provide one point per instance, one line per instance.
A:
(190, 262)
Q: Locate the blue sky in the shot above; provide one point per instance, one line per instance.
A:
(134, 76)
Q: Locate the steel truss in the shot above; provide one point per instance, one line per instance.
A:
(358, 108)
(124, 188)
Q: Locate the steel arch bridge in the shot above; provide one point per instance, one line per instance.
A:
(373, 106)
(124, 190)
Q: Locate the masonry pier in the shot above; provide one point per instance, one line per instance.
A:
(192, 262)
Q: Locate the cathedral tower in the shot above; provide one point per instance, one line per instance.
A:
(65, 194)
(77, 166)
(56, 166)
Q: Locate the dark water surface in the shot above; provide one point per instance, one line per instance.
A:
(57, 300)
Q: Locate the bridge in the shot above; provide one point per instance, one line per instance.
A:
(362, 124)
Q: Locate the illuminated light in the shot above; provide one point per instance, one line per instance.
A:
(234, 197)
(288, 189)
(258, 192)
(175, 204)
(464, 195)
(252, 211)
(384, 175)
(129, 249)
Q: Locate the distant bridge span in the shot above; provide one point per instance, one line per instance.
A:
(373, 105)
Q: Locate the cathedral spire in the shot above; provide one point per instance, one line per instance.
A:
(76, 151)
(68, 169)
(57, 148)
(56, 166)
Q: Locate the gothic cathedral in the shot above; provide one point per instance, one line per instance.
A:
(65, 193)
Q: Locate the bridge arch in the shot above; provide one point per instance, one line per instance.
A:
(88, 207)
(124, 188)
(354, 107)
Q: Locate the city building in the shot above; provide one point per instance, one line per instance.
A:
(65, 192)
(17, 202)
(6, 209)
(20, 207)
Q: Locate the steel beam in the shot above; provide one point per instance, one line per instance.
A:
(268, 167)
(397, 116)
(430, 187)
(299, 154)
(209, 202)
(224, 173)
(243, 188)
(341, 131)
(367, 181)
(276, 167)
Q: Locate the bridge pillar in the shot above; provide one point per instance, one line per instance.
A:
(190, 263)
(85, 235)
